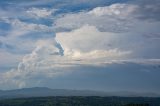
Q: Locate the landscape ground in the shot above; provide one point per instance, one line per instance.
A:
(81, 101)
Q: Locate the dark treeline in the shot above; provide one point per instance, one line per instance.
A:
(82, 101)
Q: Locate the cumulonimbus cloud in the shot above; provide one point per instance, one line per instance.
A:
(97, 37)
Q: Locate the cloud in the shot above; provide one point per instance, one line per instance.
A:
(33, 65)
(51, 56)
(148, 9)
(97, 54)
(118, 17)
(121, 33)
(114, 18)
(40, 13)
(88, 41)
(120, 23)
(58, 53)
(119, 10)
(80, 47)
(9, 58)
(19, 31)
(28, 27)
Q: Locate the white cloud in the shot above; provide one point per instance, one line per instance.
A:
(104, 35)
(8, 58)
(29, 27)
(19, 29)
(47, 53)
(119, 10)
(40, 13)
(84, 46)
(46, 59)
(88, 41)
(120, 24)
(97, 55)
(114, 18)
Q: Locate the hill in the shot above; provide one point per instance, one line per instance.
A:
(45, 92)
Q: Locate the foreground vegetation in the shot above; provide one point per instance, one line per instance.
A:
(81, 101)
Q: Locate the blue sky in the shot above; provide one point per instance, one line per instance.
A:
(108, 45)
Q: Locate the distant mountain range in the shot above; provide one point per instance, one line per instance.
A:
(44, 92)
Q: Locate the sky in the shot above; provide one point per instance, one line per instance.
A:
(104, 45)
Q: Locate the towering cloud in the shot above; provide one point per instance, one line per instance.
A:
(52, 42)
